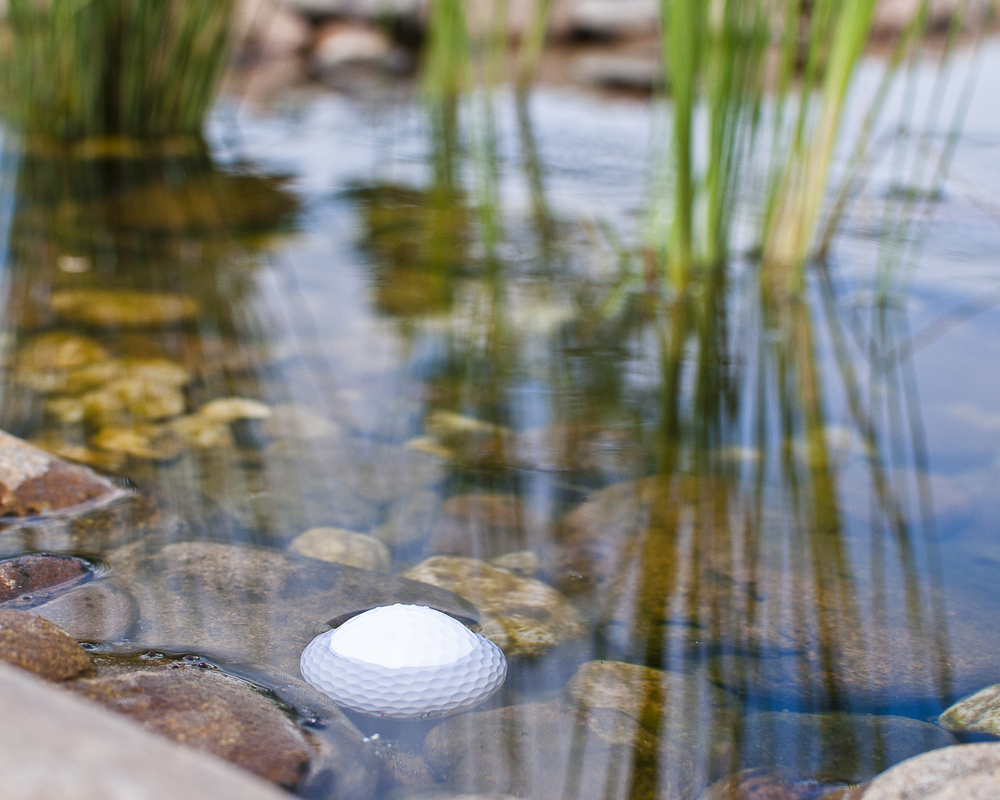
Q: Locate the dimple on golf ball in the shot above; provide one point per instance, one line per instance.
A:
(404, 662)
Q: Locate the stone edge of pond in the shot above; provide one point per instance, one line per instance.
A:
(55, 745)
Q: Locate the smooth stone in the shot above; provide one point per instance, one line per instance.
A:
(660, 568)
(339, 546)
(72, 448)
(230, 409)
(638, 73)
(45, 363)
(525, 563)
(144, 441)
(963, 772)
(341, 767)
(212, 713)
(290, 421)
(99, 611)
(254, 605)
(401, 770)
(531, 615)
(592, 454)
(484, 525)
(684, 708)
(296, 487)
(977, 713)
(32, 573)
(832, 746)
(123, 308)
(34, 482)
(381, 473)
(196, 430)
(56, 745)
(761, 784)
(40, 647)
(410, 520)
(547, 750)
(338, 43)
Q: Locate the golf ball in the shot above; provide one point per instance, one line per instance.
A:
(404, 662)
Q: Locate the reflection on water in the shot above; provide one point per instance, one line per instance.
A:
(702, 528)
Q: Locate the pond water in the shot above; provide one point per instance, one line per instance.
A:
(785, 505)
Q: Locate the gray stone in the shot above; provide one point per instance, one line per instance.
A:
(979, 713)
(55, 745)
(343, 547)
(761, 784)
(546, 750)
(100, 611)
(619, 71)
(411, 520)
(832, 746)
(527, 616)
(381, 473)
(484, 525)
(965, 772)
(614, 17)
(254, 605)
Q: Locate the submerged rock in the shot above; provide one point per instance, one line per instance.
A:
(34, 482)
(661, 567)
(46, 363)
(123, 308)
(99, 611)
(836, 747)
(254, 605)
(343, 547)
(762, 784)
(41, 647)
(411, 520)
(146, 442)
(546, 750)
(529, 616)
(977, 713)
(484, 525)
(31, 573)
(965, 772)
(210, 712)
(682, 708)
(525, 563)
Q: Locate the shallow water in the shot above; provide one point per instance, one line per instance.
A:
(784, 504)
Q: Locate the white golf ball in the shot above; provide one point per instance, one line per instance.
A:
(404, 662)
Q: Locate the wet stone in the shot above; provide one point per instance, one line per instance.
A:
(410, 520)
(762, 784)
(527, 615)
(290, 421)
(41, 647)
(399, 769)
(381, 473)
(31, 573)
(339, 546)
(44, 364)
(34, 482)
(99, 611)
(254, 605)
(483, 525)
(210, 712)
(837, 747)
(978, 713)
(965, 772)
(123, 308)
(683, 708)
(146, 442)
(546, 750)
(525, 563)
(628, 553)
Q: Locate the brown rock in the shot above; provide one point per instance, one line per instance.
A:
(482, 525)
(212, 713)
(98, 611)
(399, 769)
(762, 784)
(526, 616)
(964, 772)
(41, 647)
(34, 482)
(26, 574)
(122, 308)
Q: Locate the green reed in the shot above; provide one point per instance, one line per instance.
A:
(100, 68)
